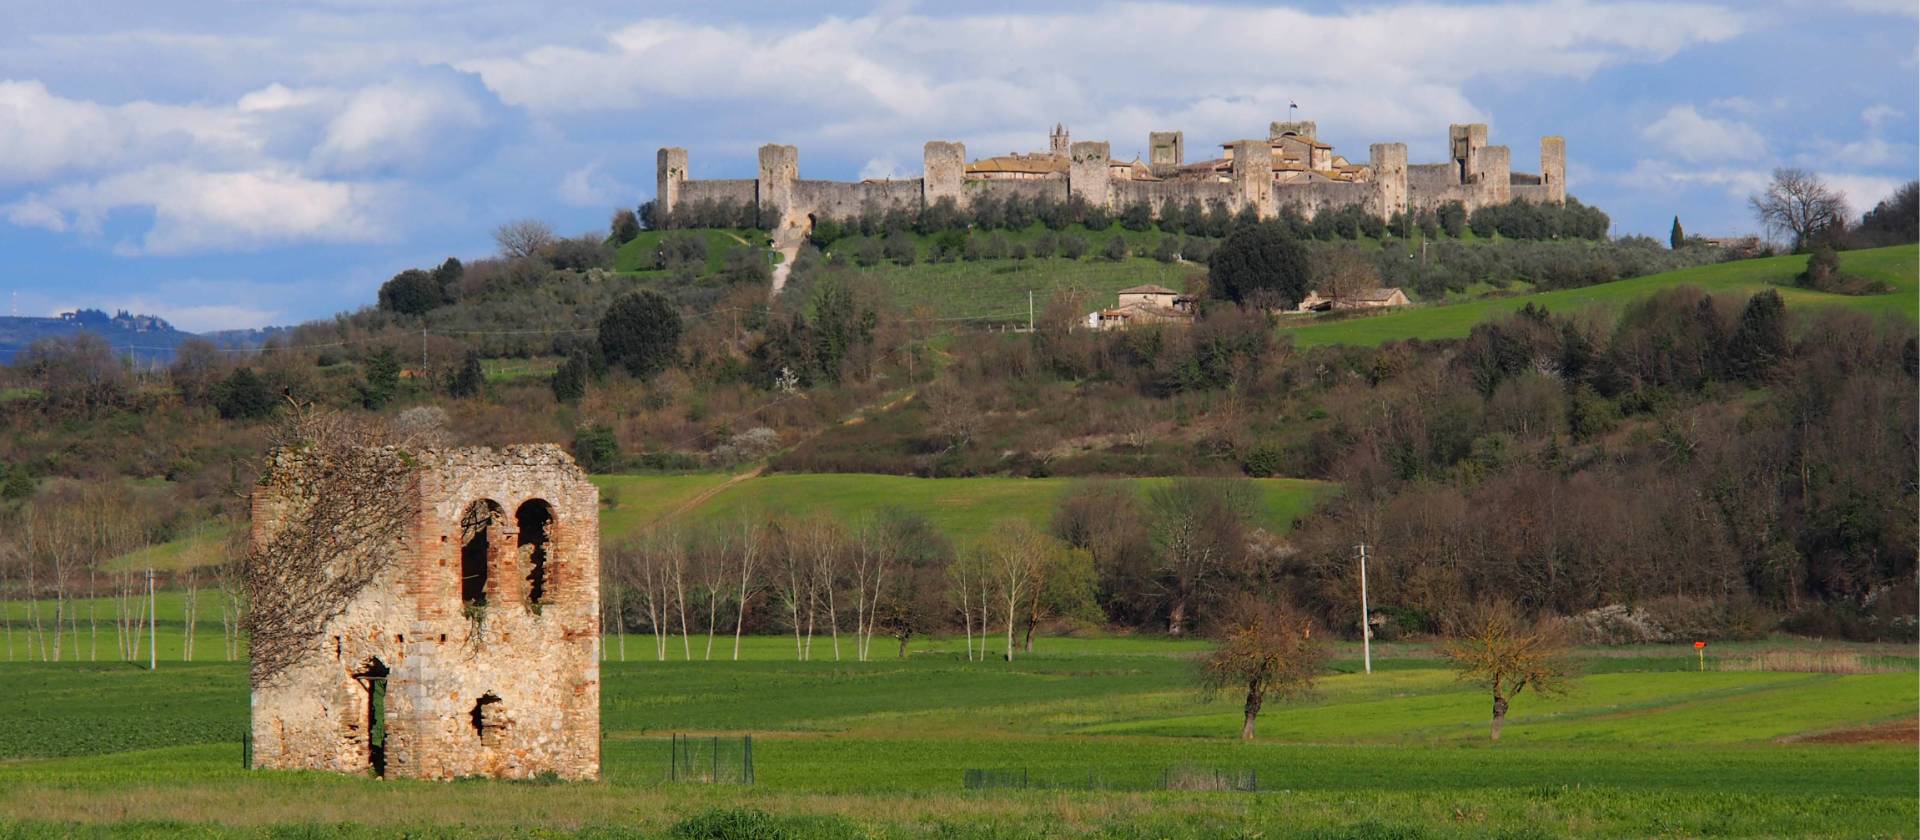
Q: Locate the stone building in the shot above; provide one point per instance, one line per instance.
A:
(1291, 169)
(475, 649)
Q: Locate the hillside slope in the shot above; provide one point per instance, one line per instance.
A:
(1896, 265)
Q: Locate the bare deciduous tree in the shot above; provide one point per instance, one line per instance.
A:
(1015, 555)
(1798, 203)
(1269, 648)
(1343, 275)
(523, 238)
(344, 506)
(1500, 650)
(1199, 531)
(753, 538)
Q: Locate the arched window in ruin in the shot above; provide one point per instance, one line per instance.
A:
(489, 719)
(372, 676)
(534, 519)
(475, 541)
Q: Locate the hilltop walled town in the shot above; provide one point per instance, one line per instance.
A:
(1291, 168)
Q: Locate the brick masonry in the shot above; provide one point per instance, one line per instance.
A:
(508, 689)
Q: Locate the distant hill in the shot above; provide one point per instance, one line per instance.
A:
(147, 339)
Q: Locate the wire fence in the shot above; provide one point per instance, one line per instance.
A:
(1184, 777)
(712, 760)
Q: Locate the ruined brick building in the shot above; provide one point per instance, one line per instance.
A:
(1290, 168)
(475, 651)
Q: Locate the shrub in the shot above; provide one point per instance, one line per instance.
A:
(900, 248)
(641, 332)
(1116, 249)
(596, 449)
(1264, 461)
(625, 226)
(411, 292)
(569, 382)
(1073, 247)
(243, 395)
(470, 378)
(1045, 245)
(1166, 250)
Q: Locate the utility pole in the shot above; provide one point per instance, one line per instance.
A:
(423, 350)
(153, 635)
(1029, 310)
(1366, 628)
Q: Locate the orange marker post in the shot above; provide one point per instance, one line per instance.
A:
(1701, 648)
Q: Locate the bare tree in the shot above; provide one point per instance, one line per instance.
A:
(872, 555)
(1498, 649)
(753, 538)
(962, 578)
(711, 564)
(1266, 646)
(523, 238)
(343, 505)
(1343, 275)
(1199, 531)
(1798, 203)
(1015, 554)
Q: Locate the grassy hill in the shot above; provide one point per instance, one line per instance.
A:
(636, 257)
(1896, 265)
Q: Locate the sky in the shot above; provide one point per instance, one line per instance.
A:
(243, 164)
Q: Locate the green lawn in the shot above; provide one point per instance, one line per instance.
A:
(1898, 266)
(1642, 747)
(995, 291)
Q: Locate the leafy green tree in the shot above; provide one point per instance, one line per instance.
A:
(243, 395)
(447, 276)
(1676, 238)
(381, 372)
(1759, 346)
(641, 332)
(900, 248)
(1116, 249)
(411, 292)
(596, 449)
(624, 228)
(569, 382)
(17, 485)
(1262, 265)
(470, 379)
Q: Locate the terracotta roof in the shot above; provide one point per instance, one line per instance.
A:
(1148, 289)
(1021, 163)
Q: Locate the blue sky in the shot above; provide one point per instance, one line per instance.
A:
(237, 164)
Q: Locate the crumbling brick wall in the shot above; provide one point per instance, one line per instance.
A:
(506, 688)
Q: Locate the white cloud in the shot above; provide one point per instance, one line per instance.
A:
(406, 125)
(1904, 8)
(199, 211)
(589, 186)
(1685, 133)
(890, 78)
(1877, 115)
(1864, 191)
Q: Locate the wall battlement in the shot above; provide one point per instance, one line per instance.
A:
(1292, 168)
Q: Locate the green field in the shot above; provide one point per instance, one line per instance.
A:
(960, 507)
(636, 257)
(995, 291)
(1645, 746)
(1899, 266)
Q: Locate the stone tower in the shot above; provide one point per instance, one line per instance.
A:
(1166, 151)
(670, 173)
(1553, 168)
(1088, 176)
(1058, 142)
(1389, 164)
(779, 168)
(946, 169)
(1252, 170)
(1465, 142)
(1298, 128)
(474, 650)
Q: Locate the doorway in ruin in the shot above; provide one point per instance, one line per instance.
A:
(476, 526)
(372, 677)
(489, 719)
(533, 517)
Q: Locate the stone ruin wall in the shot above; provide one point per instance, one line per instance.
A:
(542, 666)
(1477, 175)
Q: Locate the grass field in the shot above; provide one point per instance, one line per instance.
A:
(995, 291)
(960, 507)
(1899, 266)
(1645, 746)
(636, 257)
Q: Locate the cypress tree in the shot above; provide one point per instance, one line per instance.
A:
(1677, 237)
(1759, 345)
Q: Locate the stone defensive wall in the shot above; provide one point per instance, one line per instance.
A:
(1266, 175)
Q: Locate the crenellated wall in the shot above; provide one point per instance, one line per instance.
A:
(1476, 175)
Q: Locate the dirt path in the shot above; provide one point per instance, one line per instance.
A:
(786, 242)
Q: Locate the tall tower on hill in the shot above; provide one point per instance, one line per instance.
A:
(1058, 142)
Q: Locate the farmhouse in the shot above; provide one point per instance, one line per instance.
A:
(474, 649)
(1364, 299)
(1139, 305)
